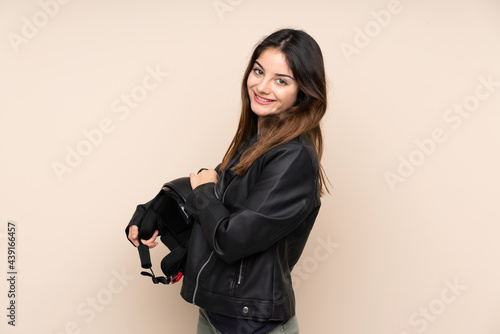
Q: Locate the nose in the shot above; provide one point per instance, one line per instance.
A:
(264, 86)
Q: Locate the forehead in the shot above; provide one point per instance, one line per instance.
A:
(274, 61)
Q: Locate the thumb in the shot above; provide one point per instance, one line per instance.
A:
(134, 230)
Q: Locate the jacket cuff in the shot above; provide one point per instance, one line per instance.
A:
(204, 206)
(195, 202)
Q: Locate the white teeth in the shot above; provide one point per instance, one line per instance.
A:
(263, 99)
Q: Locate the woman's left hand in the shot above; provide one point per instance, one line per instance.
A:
(204, 176)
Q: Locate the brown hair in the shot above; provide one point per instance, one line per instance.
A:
(305, 60)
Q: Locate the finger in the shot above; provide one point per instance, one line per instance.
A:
(133, 231)
(133, 234)
(214, 174)
(209, 176)
(150, 240)
(193, 180)
(150, 244)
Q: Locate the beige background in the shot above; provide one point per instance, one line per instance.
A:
(381, 258)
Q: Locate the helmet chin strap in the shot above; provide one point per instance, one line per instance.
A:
(156, 280)
(145, 257)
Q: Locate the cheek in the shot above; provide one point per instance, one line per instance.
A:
(250, 82)
(289, 98)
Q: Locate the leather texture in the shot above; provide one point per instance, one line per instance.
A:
(250, 231)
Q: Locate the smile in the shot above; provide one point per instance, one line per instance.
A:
(262, 100)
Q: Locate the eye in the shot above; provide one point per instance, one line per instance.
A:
(258, 71)
(281, 82)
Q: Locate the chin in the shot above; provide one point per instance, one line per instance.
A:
(259, 112)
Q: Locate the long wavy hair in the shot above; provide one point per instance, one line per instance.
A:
(305, 60)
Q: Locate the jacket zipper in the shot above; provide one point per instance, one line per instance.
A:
(198, 276)
(241, 271)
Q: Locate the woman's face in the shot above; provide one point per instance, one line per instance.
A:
(271, 85)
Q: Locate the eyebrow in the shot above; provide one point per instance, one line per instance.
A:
(280, 75)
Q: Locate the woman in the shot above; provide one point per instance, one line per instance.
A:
(255, 211)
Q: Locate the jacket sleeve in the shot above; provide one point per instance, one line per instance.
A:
(284, 194)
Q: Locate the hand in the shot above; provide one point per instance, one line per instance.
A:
(204, 176)
(133, 235)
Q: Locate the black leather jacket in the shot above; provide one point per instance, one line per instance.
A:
(249, 233)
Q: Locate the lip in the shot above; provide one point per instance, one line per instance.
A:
(256, 99)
